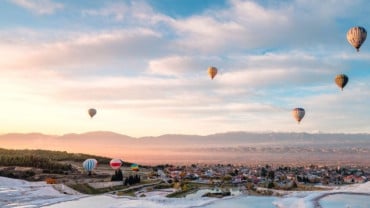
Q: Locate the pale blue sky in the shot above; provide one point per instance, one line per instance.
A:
(142, 65)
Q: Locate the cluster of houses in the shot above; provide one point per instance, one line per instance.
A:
(279, 177)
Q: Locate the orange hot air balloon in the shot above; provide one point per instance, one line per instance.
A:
(212, 71)
(298, 114)
(92, 112)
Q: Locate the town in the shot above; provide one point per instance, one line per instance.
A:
(266, 176)
(112, 175)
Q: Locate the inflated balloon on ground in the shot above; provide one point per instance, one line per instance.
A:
(115, 164)
(89, 165)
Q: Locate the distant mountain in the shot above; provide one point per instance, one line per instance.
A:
(221, 148)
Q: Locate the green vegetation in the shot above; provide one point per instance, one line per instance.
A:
(186, 188)
(48, 161)
(302, 187)
(52, 155)
(86, 189)
(41, 158)
(130, 192)
(218, 194)
(163, 186)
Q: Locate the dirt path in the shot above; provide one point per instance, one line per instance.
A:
(316, 200)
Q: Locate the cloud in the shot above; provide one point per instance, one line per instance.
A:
(248, 25)
(181, 65)
(41, 7)
(279, 70)
(81, 50)
(339, 111)
(134, 12)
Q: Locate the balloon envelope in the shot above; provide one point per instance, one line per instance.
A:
(341, 80)
(356, 36)
(89, 164)
(212, 71)
(115, 163)
(298, 114)
(92, 112)
(135, 167)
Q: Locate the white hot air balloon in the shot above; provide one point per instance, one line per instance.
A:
(356, 36)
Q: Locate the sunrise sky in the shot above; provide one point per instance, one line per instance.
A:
(143, 66)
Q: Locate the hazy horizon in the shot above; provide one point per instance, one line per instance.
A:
(230, 147)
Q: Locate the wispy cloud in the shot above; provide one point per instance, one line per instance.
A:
(73, 50)
(137, 12)
(41, 7)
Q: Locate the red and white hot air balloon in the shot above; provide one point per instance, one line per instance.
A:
(115, 164)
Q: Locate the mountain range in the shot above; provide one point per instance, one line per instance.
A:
(229, 147)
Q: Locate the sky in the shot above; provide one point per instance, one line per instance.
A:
(143, 65)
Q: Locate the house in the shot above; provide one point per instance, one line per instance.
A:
(353, 179)
(360, 179)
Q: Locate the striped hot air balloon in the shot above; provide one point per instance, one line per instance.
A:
(298, 114)
(115, 164)
(356, 36)
(89, 165)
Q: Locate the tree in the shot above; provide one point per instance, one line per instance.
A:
(271, 174)
(270, 185)
(131, 180)
(236, 171)
(263, 172)
(117, 175)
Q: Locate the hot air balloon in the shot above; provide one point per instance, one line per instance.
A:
(212, 71)
(135, 167)
(92, 112)
(298, 114)
(89, 165)
(341, 80)
(115, 164)
(356, 36)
